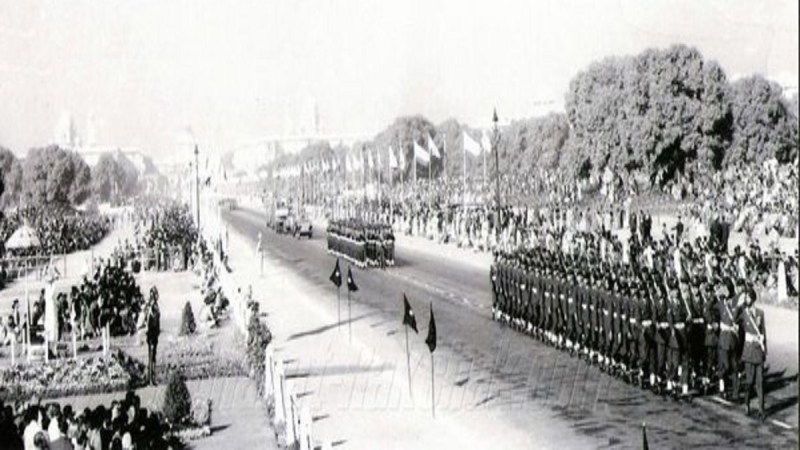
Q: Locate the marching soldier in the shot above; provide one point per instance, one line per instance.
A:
(608, 324)
(586, 315)
(678, 344)
(536, 298)
(728, 363)
(646, 337)
(711, 314)
(755, 351)
(662, 335)
(572, 313)
(494, 281)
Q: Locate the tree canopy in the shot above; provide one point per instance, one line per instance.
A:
(54, 176)
(114, 177)
(763, 123)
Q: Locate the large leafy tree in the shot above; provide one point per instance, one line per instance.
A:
(401, 136)
(54, 176)
(763, 123)
(114, 177)
(10, 178)
(661, 111)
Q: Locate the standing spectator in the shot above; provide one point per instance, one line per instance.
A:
(153, 330)
(32, 427)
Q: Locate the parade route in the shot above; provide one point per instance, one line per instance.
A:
(518, 378)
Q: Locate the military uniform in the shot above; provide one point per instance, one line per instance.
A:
(754, 353)
(711, 314)
(662, 334)
(728, 350)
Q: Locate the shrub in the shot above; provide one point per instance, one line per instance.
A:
(201, 412)
(258, 337)
(177, 401)
(188, 325)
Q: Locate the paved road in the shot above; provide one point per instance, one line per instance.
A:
(522, 374)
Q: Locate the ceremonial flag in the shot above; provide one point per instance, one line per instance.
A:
(433, 148)
(485, 142)
(402, 157)
(431, 339)
(336, 276)
(369, 160)
(470, 145)
(378, 163)
(408, 315)
(644, 437)
(392, 158)
(351, 284)
(421, 155)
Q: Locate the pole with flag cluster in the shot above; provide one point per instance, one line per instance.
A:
(431, 341)
(336, 279)
(409, 321)
(351, 287)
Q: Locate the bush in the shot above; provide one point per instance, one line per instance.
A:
(201, 412)
(188, 325)
(258, 337)
(177, 401)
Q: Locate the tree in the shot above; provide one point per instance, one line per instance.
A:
(401, 136)
(10, 178)
(763, 124)
(53, 176)
(660, 111)
(177, 406)
(114, 178)
(188, 325)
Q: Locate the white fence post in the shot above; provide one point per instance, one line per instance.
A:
(295, 416)
(280, 403)
(306, 442)
(269, 376)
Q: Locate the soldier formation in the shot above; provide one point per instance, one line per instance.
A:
(677, 333)
(362, 243)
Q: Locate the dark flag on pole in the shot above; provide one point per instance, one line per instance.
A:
(336, 276)
(351, 284)
(431, 339)
(644, 437)
(408, 315)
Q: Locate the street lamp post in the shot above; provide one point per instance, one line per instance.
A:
(197, 183)
(496, 174)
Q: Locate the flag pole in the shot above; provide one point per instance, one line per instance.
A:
(433, 392)
(464, 178)
(349, 317)
(408, 364)
(430, 182)
(484, 165)
(339, 307)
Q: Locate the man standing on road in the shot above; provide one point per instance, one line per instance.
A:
(153, 321)
(728, 346)
(754, 352)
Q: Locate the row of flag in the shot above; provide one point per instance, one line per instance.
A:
(409, 319)
(410, 322)
(374, 160)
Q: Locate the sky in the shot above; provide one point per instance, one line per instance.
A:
(236, 71)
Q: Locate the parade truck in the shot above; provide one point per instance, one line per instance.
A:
(278, 216)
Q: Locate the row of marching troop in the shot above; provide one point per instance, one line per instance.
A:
(679, 335)
(364, 244)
